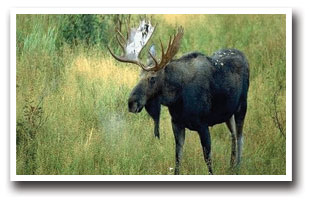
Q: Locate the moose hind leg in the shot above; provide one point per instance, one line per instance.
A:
(231, 124)
(240, 116)
(179, 136)
(205, 140)
(239, 142)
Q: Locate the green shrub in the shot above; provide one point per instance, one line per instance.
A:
(86, 29)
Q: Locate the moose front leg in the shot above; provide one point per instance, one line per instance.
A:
(205, 140)
(179, 136)
(153, 109)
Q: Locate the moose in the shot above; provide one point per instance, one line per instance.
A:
(200, 91)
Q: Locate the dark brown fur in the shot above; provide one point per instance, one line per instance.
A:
(199, 92)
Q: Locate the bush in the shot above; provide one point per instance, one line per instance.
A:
(85, 28)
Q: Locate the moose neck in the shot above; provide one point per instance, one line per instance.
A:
(170, 87)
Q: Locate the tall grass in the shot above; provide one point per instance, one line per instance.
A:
(72, 115)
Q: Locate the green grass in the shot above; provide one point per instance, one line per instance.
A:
(72, 115)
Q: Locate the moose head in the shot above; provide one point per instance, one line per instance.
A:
(151, 77)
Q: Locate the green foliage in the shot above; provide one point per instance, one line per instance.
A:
(85, 28)
(71, 110)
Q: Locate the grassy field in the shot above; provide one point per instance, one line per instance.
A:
(72, 116)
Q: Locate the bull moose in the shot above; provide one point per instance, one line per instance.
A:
(199, 91)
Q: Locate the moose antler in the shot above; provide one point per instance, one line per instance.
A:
(133, 44)
(136, 40)
(172, 49)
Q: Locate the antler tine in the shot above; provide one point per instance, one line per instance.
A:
(162, 49)
(114, 56)
(122, 59)
(172, 49)
(127, 24)
(120, 43)
(119, 26)
(154, 59)
(169, 44)
(176, 41)
(121, 35)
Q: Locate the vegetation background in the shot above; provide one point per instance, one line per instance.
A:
(71, 97)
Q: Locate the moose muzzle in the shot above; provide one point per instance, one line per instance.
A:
(134, 106)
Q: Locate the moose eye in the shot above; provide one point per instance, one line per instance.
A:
(152, 80)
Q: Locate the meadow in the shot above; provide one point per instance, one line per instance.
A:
(71, 97)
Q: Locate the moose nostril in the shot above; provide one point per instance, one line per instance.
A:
(132, 105)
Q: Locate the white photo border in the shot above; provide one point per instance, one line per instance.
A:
(289, 171)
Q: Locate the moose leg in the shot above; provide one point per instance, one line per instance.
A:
(179, 136)
(156, 128)
(239, 141)
(240, 116)
(153, 109)
(231, 124)
(205, 140)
